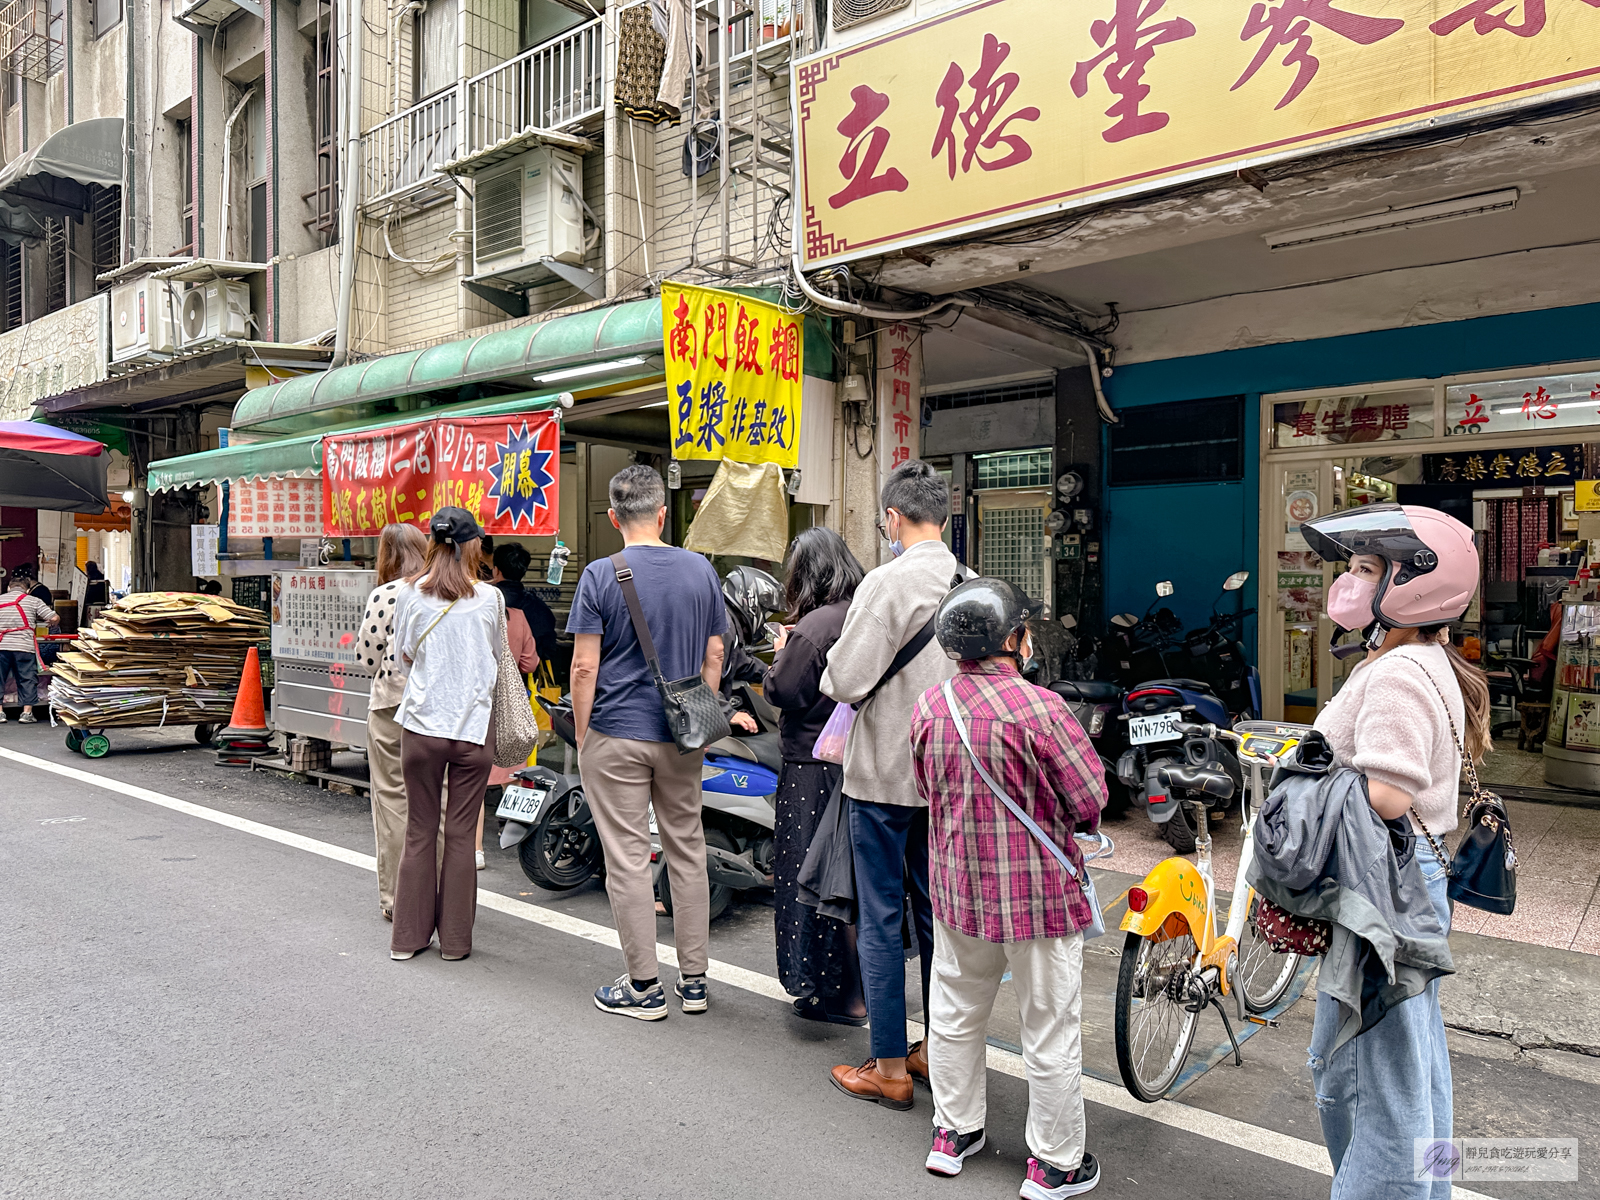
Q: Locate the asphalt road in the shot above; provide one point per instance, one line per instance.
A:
(195, 1010)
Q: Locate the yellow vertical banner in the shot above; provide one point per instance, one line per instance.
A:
(734, 371)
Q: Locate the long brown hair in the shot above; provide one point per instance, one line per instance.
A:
(401, 550)
(1474, 686)
(450, 571)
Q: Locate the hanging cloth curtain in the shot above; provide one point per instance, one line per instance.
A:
(641, 53)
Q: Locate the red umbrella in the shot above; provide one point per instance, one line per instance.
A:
(45, 467)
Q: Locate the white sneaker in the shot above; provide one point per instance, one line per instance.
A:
(27, 717)
(482, 862)
(3, 717)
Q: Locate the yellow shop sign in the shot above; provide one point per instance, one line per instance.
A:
(1008, 109)
(734, 370)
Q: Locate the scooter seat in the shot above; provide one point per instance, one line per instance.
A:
(1188, 685)
(764, 748)
(1191, 778)
(1087, 691)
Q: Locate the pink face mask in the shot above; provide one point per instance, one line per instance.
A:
(1350, 602)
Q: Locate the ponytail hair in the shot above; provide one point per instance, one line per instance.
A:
(1474, 686)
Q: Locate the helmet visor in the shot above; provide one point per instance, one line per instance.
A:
(1381, 529)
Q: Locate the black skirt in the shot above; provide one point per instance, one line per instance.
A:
(811, 947)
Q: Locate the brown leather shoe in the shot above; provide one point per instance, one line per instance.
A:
(864, 1083)
(917, 1061)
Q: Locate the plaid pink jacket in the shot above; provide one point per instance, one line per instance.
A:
(988, 877)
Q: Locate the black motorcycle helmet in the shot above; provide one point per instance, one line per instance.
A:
(752, 596)
(976, 618)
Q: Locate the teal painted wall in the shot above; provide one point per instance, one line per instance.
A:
(1195, 534)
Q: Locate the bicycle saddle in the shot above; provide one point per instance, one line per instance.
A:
(1193, 778)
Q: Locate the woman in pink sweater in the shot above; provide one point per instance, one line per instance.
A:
(1403, 719)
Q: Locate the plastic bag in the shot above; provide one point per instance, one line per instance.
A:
(834, 735)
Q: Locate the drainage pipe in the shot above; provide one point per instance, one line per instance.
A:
(227, 165)
(349, 176)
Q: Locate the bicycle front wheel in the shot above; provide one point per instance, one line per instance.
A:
(1153, 1028)
(1263, 974)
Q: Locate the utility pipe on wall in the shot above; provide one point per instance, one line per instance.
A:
(227, 165)
(349, 175)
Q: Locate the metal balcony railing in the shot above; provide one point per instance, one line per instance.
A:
(403, 150)
(555, 84)
(558, 83)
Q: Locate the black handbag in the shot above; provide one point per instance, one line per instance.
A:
(1483, 873)
(694, 712)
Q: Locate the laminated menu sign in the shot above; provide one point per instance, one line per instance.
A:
(503, 470)
(316, 615)
(286, 508)
(1583, 722)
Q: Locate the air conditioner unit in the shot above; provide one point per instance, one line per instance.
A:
(217, 310)
(527, 210)
(213, 12)
(146, 318)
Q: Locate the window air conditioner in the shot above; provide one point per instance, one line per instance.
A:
(529, 210)
(215, 311)
(146, 316)
(211, 12)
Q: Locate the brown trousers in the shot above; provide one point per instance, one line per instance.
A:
(448, 903)
(622, 778)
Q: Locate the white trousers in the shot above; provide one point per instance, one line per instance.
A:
(1048, 976)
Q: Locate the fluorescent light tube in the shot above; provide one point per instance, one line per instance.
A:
(596, 368)
(1394, 218)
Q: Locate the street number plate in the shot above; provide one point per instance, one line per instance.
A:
(521, 804)
(1163, 727)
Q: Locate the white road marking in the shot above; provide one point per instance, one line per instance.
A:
(1201, 1122)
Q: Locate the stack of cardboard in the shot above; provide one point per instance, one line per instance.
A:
(156, 658)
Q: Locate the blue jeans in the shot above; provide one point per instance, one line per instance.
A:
(890, 845)
(25, 667)
(1385, 1088)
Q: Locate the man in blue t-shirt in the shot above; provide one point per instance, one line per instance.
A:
(625, 749)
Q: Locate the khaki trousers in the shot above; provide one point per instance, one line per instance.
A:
(389, 800)
(621, 779)
(1048, 976)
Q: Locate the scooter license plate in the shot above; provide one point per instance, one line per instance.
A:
(521, 804)
(1162, 727)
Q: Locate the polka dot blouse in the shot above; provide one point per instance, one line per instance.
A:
(377, 650)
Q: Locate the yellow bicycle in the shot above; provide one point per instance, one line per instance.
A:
(1174, 962)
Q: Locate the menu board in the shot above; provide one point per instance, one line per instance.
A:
(316, 615)
(288, 508)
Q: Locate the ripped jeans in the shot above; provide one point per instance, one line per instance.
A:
(1380, 1091)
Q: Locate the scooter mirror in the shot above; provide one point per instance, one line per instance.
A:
(1125, 620)
(1164, 588)
(1069, 621)
(1235, 581)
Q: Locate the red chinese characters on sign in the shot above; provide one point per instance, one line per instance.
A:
(868, 141)
(981, 120)
(1485, 20)
(904, 421)
(502, 470)
(1130, 41)
(715, 344)
(747, 344)
(1538, 405)
(1287, 26)
(683, 339)
(1474, 416)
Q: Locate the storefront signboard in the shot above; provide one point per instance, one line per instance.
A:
(315, 614)
(503, 470)
(1519, 466)
(1520, 405)
(1008, 109)
(734, 370)
(899, 397)
(286, 508)
(1586, 496)
(1353, 420)
(202, 549)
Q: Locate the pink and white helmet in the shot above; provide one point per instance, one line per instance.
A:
(1433, 561)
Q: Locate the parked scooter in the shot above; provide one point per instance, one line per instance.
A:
(549, 821)
(1139, 648)
(1152, 712)
(1218, 656)
(1098, 706)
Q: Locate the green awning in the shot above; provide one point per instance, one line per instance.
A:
(509, 356)
(302, 456)
(282, 459)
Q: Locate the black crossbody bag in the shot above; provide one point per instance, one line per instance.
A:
(694, 712)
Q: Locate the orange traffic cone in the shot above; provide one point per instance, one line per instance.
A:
(246, 736)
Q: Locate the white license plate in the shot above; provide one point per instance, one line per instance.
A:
(521, 804)
(1163, 727)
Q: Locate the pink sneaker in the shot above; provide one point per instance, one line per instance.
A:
(1045, 1182)
(950, 1149)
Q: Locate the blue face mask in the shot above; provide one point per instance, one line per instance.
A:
(897, 547)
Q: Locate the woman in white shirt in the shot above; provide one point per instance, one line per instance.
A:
(400, 553)
(447, 634)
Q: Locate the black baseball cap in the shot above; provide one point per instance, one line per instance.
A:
(452, 524)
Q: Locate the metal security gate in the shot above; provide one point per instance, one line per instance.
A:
(1011, 539)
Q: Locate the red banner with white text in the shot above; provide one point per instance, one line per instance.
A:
(503, 470)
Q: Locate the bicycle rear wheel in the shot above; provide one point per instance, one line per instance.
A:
(1263, 974)
(1153, 1028)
